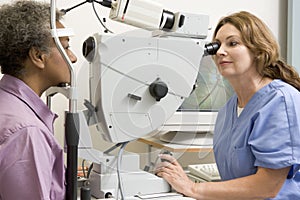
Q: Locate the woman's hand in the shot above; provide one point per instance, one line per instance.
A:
(266, 183)
(173, 173)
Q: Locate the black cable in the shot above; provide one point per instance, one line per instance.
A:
(89, 171)
(105, 3)
(112, 148)
(103, 25)
(69, 9)
(83, 169)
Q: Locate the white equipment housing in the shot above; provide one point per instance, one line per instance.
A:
(123, 68)
(150, 15)
(104, 178)
(139, 13)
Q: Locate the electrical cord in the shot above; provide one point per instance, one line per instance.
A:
(83, 168)
(89, 171)
(105, 3)
(119, 163)
(103, 25)
(112, 148)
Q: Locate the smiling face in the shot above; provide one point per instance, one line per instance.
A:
(233, 58)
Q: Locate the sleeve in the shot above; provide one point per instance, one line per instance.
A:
(274, 139)
(28, 171)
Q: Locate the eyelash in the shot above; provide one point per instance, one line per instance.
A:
(233, 43)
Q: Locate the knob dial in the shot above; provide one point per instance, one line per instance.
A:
(158, 89)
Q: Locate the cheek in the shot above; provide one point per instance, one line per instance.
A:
(246, 60)
(61, 69)
(60, 62)
(245, 55)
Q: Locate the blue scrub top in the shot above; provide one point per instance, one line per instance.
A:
(266, 134)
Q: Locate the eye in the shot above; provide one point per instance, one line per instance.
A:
(233, 43)
(65, 43)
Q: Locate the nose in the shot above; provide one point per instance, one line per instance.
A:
(221, 51)
(72, 56)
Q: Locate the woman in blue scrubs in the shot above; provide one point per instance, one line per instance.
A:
(257, 133)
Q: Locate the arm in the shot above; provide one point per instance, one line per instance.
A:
(28, 173)
(266, 183)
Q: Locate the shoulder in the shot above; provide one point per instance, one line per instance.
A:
(276, 93)
(14, 118)
(277, 103)
(14, 126)
(22, 124)
(14, 115)
(282, 93)
(284, 88)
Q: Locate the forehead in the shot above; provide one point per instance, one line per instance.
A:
(227, 30)
(59, 25)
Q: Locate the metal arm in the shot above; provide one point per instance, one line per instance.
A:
(106, 3)
(72, 119)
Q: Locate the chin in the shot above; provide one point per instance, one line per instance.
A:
(63, 84)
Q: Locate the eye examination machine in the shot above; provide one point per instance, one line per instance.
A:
(137, 81)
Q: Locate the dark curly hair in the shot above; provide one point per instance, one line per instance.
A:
(23, 25)
(260, 40)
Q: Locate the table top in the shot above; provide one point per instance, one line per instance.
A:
(162, 196)
(157, 143)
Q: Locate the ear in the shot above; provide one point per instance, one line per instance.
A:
(37, 57)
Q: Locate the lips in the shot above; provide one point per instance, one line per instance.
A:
(222, 63)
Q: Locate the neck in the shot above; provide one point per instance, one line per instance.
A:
(34, 85)
(246, 88)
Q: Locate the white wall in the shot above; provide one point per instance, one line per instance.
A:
(84, 22)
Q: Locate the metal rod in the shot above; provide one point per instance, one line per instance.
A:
(71, 118)
(72, 101)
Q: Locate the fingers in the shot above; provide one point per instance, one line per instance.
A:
(164, 167)
(163, 172)
(168, 168)
(169, 163)
(168, 158)
(173, 173)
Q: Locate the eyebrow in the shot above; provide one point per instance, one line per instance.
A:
(64, 38)
(232, 36)
(229, 37)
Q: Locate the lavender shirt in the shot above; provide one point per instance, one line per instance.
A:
(31, 160)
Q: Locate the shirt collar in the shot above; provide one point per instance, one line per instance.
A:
(22, 91)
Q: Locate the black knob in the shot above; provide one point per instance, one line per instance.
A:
(158, 89)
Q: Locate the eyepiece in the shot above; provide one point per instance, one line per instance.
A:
(211, 48)
(89, 49)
